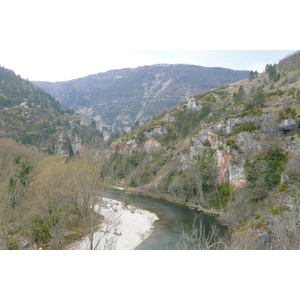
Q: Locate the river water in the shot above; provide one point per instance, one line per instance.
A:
(168, 229)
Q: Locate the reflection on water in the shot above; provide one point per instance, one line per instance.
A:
(167, 230)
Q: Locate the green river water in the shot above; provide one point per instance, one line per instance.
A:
(167, 230)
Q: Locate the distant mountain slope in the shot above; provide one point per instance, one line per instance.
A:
(120, 97)
(30, 115)
(234, 149)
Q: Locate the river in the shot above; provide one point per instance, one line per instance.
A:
(167, 230)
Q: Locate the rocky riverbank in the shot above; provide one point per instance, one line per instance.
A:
(124, 227)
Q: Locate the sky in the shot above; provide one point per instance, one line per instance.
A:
(62, 40)
(60, 68)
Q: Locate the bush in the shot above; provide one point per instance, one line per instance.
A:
(133, 184)
(39, 230)
(275, 159)
(12, 243)
(264, 172)
(232, 144)
(206, 143)
(248, 126)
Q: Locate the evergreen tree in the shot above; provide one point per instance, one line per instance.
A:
(251, 75)
(240, 95)
(272, 72)
(259, 98)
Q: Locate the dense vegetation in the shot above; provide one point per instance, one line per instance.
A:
(14, 90)
(44, 200)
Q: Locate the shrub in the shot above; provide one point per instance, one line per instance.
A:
(275, 159)
(206, 143)
(248, 126)
(264, 172)
(133, 184)
(12, 243)
(39, 230)
(232, 144)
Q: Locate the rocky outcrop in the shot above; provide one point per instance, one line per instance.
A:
(67, 144)
(266, 123)
(152, 146)
(295, 145)
(229, 150)
(157, 131)
(289, 125)
(123, 146)
(191, 104)
(168, 119)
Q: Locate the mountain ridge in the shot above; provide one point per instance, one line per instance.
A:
(119, 98)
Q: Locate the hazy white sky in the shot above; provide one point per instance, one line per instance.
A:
(63, 39)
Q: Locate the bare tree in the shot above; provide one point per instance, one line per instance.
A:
(55, 195)
(285, 231)
(105, 236)
(245, 239)
(199, 237)
(88, 185)
(90, 204)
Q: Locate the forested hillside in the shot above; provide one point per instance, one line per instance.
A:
(233, 151)
(30, 115)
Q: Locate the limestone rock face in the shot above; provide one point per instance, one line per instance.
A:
(265, 122)
(237, 176)
(123, 146)
(293, 145)
(168, 119)
(67, 144)
(191, 105)
(230, 160)
(152, 146)
(289, 124)
(157, 131)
